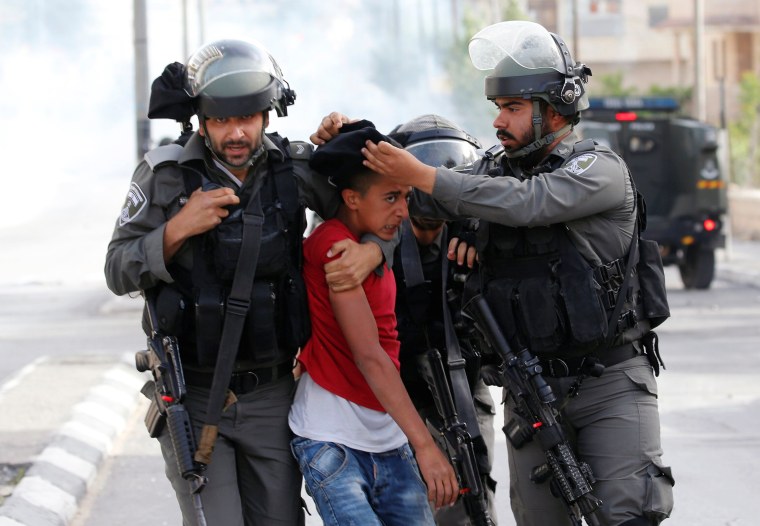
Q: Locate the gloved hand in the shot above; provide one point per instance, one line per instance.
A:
(492, 374)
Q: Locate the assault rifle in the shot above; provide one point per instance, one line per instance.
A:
(455, 439)
(167, 391)
(570, 479)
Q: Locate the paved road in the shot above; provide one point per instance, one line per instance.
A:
(83, 340)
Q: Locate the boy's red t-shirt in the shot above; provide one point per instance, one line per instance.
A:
(327, 356)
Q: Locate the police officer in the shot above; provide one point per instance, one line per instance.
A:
(558, 217)
(423, 293)
(181, 232)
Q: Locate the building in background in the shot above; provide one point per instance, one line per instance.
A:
(653, 43)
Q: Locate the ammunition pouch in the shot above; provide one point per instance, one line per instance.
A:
(277, 321)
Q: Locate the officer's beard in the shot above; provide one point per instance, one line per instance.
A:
(255, 154)
(532, 159)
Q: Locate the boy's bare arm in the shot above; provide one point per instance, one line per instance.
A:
(355, 318)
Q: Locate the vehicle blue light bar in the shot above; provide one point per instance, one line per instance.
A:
(633, 103)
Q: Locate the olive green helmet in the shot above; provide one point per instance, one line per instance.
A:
(530, 62)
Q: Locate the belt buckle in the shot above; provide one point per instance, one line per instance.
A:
(557, 367)
(245, 382)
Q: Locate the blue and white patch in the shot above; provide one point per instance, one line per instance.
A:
(578, 165)
(133, 205)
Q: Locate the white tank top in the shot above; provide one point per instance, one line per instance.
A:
(318, 414)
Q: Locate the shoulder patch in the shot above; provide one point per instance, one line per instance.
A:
(581, 163)
(300, 150)
(133, 205)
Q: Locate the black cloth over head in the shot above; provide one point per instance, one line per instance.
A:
(168, 98)
(341, 157)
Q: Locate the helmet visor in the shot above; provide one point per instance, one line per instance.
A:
(443, 152)
(527, 43)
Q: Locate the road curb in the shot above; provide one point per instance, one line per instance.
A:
(50, 492)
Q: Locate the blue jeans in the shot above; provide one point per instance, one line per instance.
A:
(352, 487)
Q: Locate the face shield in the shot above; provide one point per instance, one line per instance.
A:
(528, 61)
(443, 152)
(528, 44)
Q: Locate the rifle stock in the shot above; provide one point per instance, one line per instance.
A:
(162, 359)
(571, 479)
(455, 439)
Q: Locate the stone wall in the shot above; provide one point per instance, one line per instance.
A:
(744, 213)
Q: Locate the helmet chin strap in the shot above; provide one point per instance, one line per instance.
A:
(539, 142)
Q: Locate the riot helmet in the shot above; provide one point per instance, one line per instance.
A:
(436, 141)
(528, 61)
(228, 78)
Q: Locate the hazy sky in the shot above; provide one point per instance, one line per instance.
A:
(67, 102)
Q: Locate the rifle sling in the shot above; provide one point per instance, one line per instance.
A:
(236, 310)
(413, 275)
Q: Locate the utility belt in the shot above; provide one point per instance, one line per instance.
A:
(572, 366)
(243, 381)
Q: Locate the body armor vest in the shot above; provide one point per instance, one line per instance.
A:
(277, 322)
(544, 293)
(419, 319)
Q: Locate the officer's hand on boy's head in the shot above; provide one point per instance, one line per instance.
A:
(329, 127)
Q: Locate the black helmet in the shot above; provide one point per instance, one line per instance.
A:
(436, 141)
(530, 62)
(230, 78)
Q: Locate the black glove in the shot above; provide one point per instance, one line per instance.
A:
(492, 374)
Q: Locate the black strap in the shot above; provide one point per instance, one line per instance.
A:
(413, 275)
(238, 302)
(633, 256)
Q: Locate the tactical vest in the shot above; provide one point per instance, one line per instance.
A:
(420, 320)
(544, 293)
(277, 322)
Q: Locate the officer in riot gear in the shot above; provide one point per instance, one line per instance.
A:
(185, 225)
(558, 220)
(422, 325)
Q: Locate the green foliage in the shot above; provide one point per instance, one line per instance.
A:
(610, 85)
(682, 95)
(744, 133)
(466, 82)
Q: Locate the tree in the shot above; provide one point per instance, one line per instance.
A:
(466, 82)
(744, 133)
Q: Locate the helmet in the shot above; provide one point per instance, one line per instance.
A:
(528, 61)
(230, 78)
(437, 141)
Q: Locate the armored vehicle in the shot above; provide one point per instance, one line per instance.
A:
(675, 166)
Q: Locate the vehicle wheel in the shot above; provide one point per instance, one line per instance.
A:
(698, 269)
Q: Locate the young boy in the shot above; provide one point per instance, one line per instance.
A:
(352, 418)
